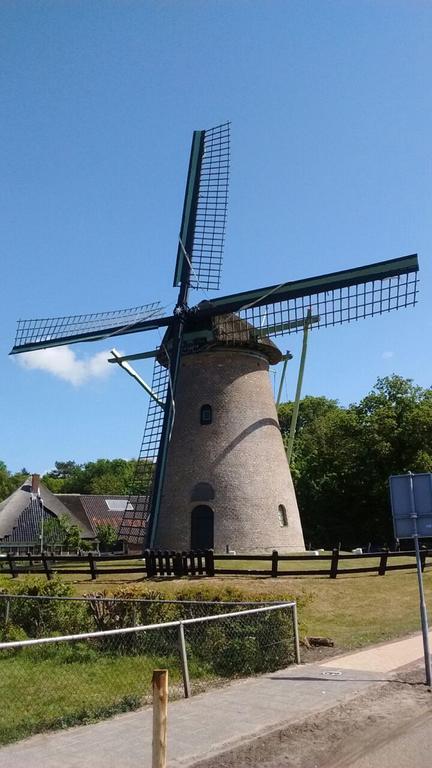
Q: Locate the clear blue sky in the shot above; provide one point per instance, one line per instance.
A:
(330, 104)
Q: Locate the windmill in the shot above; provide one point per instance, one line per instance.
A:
(212, 470)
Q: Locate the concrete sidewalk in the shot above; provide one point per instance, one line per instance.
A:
(218, 721)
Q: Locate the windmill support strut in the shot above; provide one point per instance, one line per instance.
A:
(296, 407)
(131, 371)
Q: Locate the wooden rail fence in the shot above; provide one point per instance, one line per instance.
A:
(197, 563)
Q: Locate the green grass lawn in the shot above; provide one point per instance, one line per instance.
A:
(354, 610)
(59, 690)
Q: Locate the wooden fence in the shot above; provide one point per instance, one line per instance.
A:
(176, 564)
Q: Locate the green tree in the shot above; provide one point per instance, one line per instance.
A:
(10, 482)
(343, 458)
(62, 532)
(104, 476)
(107, 536)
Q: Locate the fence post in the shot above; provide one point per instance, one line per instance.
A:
(7, 613)
(153, 566)
(183, 660)
(274, 564)
(160, 563)
(296, 634)
(147, 562)
(383, 563)
(209, 562)
(45, 565)
(92, 565)
(185, 563)
(178, 564)
(11, 565)
(160, 707)
(334, 564)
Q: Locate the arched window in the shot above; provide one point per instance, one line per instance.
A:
(283, 519)
(206, 415)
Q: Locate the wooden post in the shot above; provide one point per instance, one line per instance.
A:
(209, 562)
(383, 563)
(152, 561)
(11, 565)
(334, 564)
(160, 563)
(185, 563)
(178, 564)
(45, 565)
(160, 708)
(192, 564)
(92, 565)
(274, 562)
(147, 562)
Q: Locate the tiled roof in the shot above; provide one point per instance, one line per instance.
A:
(95, 508)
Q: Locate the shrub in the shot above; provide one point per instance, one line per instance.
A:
(44, 617)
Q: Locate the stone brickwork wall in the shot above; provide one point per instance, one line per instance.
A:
(239, 456)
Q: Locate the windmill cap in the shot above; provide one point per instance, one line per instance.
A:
(204, 332)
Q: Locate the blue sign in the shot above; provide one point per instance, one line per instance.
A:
(411, 502)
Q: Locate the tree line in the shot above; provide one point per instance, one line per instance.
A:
(342, 459)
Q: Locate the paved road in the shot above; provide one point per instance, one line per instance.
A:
(294, 717)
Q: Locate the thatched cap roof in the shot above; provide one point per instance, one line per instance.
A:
(207, 332)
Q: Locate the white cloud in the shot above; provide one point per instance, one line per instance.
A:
(387, 355)
(64, 363)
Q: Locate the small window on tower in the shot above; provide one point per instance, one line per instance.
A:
(283, 520)
(206, 414)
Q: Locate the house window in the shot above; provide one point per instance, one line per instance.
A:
(206, 416)
(283, 519)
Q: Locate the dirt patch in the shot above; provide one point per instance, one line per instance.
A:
(340, 735)
(316, 654)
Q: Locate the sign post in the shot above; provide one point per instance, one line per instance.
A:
(411, 502)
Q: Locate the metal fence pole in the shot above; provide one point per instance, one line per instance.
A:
(184, 661)
(7, 612)
(296, 634)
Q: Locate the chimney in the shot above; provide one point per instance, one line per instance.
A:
(35, 484)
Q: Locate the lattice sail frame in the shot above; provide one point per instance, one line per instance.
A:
(334, 307)
(58, 329)
(133, 528)
(202, 231)
(332, 299)
(209, 238)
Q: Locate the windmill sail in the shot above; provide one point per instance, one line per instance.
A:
(333, 299)
(56, 331)
(202, 232)
(134, 525)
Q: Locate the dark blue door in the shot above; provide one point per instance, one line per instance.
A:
(202, 527)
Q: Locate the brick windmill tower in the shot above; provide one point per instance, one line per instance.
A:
(212, 469)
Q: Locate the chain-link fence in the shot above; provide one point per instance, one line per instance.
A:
(52, 682)
(31, 616)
